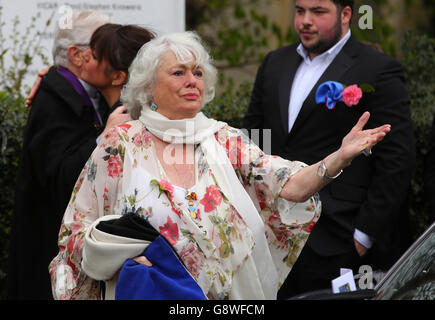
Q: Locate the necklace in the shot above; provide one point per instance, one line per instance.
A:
(191, 196)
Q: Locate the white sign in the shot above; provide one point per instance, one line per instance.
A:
(160, 16)
(345, 282)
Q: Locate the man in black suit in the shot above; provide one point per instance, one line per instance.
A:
(64, 123)
(363, 208)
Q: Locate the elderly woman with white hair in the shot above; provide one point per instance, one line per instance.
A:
(236, 217)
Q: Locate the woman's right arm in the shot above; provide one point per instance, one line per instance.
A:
(307, 182)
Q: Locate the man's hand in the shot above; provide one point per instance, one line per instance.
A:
(36, 87)
(360, 248)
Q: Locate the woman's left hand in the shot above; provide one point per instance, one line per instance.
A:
(143, 260)
(358, 139)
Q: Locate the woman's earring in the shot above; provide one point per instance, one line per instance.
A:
(153, 107)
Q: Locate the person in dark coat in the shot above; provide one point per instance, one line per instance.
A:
(112, 49)
(66, 118)
(364, 209)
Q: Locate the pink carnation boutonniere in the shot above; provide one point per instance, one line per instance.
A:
(351, 95)
(330, 92)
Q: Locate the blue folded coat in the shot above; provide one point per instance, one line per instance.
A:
(166, 279)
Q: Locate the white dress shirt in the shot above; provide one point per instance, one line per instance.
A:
(307, 75)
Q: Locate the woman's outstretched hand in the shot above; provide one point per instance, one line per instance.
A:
(358, 139)
(306, 182)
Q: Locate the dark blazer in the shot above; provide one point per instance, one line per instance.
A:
(371, 193)
(60, 135)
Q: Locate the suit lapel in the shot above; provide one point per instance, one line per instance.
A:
(342, 62)
(289, 67)
(61, 87)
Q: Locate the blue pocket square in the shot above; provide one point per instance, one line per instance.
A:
(329, 92)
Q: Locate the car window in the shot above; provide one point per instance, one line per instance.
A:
(414, 279)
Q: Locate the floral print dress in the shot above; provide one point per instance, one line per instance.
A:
(124, 175)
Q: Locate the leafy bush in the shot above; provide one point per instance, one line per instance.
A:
(230, 107)
(239, 33)
(13, 116)
(418, 54)
(12, 120)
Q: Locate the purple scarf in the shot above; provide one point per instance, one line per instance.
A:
(72, 79)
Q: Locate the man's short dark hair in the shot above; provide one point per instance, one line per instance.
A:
(341, 4)
(344, 3)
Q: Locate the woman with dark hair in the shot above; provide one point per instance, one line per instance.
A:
(112, 49)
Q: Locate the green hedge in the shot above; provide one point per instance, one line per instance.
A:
(12, 121)
(418, 60)
(15, 60)
(230, 107)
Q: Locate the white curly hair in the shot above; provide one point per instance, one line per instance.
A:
(83, 24)
(187, 47)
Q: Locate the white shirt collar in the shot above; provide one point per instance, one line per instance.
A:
(331, 52)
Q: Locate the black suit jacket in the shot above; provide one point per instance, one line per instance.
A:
(60, 136)
(371, 193)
